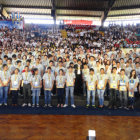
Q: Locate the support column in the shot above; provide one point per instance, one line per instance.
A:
(53, 14)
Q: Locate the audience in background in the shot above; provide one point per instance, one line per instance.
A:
(85, 63)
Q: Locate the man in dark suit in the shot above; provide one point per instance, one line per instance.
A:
(78, 82)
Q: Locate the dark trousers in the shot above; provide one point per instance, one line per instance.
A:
(78, 85)
(131, 101)
(14, 96)
(113, 97)
(60, 92)
(107, 90)
(27, 93)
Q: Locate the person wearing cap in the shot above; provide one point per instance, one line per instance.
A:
(91, 82)
(70, 82)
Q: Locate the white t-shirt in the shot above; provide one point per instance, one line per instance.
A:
(91, 79)
(101, 80)
(15, 80)
(49, 78)
(60, 81)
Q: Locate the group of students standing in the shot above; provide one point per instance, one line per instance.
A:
(32, 83)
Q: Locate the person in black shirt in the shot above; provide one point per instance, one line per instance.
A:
(78, 73)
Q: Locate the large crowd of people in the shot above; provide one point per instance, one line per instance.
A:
(36, 62)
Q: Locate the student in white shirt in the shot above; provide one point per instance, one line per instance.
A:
(4, 82)
(51, 65)
(11, 67)
(91, 82)
(70, 81)
(1, 64)
(123, 86)
(85, 73)
(59, 67)
(113, 84)
(92, 62)
(48, 83)
(36, 84)
(26, 77)
(101, 84)
(132, 88)
(19, 66)
(15, 86)
(38, 66)
(60, 84)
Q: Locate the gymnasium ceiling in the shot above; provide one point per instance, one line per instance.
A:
(74, 9)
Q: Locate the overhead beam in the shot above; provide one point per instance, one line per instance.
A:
(80, 8)
(126, 7)
(118, 15)
(57, 7)
(53, 14)
(58, 14)
(33, 13)
(73, 8)
(105, 14)
(22, 6)
(78, 15)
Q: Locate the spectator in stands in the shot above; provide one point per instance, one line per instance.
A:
(41, 49)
